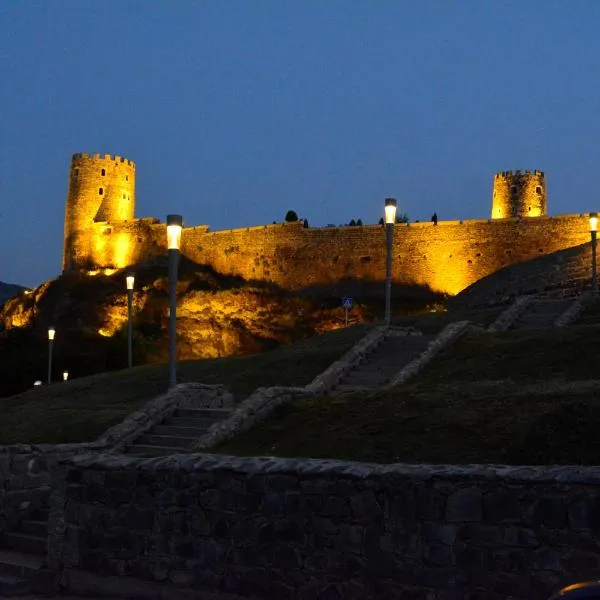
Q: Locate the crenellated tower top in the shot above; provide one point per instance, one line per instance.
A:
(519, 194)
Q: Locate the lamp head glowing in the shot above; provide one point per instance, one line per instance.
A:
(174, 225)
(65, 375)
(51, 333)
(390, 210)
(593, 221)
(130, 280)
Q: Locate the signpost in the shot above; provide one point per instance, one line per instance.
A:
(347, 304)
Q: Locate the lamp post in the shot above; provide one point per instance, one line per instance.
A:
(390, 219)
(130, 280)
(51, 334)
(593, 232)
(174, 225)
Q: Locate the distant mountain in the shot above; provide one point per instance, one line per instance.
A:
(8, 290)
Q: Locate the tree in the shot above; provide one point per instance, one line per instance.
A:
(402, 218)
(291, 216)
(352, 223)
(306, 225)
(359, 222)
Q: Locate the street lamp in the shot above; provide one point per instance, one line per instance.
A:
(390, 219)
(174, 225)
(51, 334)
(130, 280)
(594, 231)
(65, 375)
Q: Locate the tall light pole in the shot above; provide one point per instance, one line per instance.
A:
(51, 334)
(390, 219)
(174, 225)
(594, 232)
(130, 280)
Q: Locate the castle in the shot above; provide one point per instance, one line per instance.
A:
(102, 233)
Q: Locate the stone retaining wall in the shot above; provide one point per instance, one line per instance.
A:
(445, 338)
(26, 469)
(510, 315)
(575, 309)
(328, 379)
(304, 529)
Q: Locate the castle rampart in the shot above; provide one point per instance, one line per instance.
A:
(447, 257)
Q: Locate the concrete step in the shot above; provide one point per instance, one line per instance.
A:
(169, 441)
(173, 430)
(213, 413)
(197, 423)
(12, 586)
(148, 451)
(41, 514)
(38, 528)
(19, 565)
(24, 542)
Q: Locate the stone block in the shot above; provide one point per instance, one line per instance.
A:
(465, 506)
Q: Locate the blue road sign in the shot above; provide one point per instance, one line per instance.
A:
(347, 302)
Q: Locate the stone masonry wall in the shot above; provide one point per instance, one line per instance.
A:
(26, 470)
(304, 529)
(448, 257)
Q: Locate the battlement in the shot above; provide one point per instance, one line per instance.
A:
(518, 173)
(86, 156)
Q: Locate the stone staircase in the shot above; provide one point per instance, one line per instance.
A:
(541, 312)
(177, 432)
(23, 557)
(384, 362)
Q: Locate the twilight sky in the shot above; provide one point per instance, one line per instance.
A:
(237, 110)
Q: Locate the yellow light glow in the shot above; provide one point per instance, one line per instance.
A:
(51, 333)
(130, 279)
(173, 237)
(65, 375)
(593, 222)
(105, 332)
(390, 210)
(121, 251)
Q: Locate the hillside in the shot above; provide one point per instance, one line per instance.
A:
(564, 272)
(519, 397)
(217, 316)
(8, 290)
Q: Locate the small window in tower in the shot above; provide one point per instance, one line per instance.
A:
(513, 189)
(538, 190)
(76, 172)
(126, 177)
(123, 196)
(100, 191)
(103, 172)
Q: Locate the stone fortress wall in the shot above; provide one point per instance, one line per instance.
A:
(447, 257)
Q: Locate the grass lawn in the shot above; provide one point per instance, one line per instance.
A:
(82, 409)
(434, 322)
(518, 398)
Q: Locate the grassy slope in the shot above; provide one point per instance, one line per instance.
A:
(518, 397)
(81, 409)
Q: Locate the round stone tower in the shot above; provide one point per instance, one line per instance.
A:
(519, 194)
(101, 189)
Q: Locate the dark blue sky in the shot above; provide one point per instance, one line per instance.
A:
(236, 111)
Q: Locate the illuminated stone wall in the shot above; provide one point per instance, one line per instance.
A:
(448, 257)
(101, 189)
(519, 194)
(101, 232)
